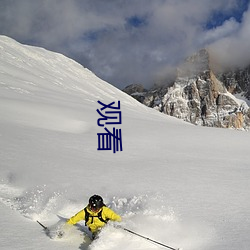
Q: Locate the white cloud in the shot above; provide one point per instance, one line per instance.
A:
(97, 32)
(228, 28)
(233, 50)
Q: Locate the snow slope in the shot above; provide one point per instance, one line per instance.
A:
(176, 183)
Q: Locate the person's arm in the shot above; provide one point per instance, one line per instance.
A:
(77, 217)
(111, 215)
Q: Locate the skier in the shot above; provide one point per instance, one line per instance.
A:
(95, 214)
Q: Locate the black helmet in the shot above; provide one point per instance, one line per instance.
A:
(95, 202)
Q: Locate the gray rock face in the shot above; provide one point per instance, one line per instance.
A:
(237, 81)
(137, 91)
(200, 97)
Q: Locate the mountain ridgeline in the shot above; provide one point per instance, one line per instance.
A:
(202, 95)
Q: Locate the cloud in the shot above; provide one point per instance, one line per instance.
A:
(233, 49)
(124, 42)
(228, 28)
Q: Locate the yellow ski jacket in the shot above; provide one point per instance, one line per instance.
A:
(94, 223)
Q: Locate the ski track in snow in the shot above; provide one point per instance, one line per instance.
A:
(43, 117)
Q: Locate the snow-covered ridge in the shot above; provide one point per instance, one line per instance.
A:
(34, 66)
(33, 74)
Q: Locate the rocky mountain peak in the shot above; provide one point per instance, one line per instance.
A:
(196, 64)
(200, 96)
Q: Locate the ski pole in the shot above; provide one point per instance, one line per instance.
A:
(146, 238)
(45, 228)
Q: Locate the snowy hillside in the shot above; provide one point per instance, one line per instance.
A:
(179, 184)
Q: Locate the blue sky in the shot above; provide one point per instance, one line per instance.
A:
(131, 41)
(218, 17)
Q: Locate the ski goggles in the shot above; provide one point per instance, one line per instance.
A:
(94, 208)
